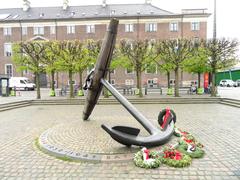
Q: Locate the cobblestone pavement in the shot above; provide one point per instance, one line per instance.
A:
(215, 125)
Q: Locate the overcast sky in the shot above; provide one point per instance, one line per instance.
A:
(227, 11)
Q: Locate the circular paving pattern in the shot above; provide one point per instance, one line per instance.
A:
(86, 140)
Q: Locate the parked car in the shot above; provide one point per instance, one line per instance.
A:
(238, 82)
(21, 83)
(227, 82)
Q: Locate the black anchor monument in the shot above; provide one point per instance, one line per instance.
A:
(94, 84)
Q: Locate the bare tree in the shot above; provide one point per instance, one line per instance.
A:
(175, 52)
(29, 55)
(221, 55)
(138, 53)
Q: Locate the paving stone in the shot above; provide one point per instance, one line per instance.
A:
(215, 125)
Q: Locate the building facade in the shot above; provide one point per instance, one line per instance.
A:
(136, 21)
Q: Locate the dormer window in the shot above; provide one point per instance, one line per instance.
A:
(73, 13)
(113, 11)
(41, 15)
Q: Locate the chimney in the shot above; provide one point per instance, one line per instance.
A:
(26, 5)
(104, 4)
(65, 4)
(148, 1)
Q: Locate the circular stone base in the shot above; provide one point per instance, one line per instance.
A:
(86, 140)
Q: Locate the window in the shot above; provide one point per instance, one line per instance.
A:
(7, 31)
(112, 71)
(152, 82)
(7, 49)
(38, 30)
(129, 82)
(24, 31)
(71, 29)
(52, 29)
(9, 70)
(195, 26)
(112, 81)
(173, 26)
(129, 28)
(73, 82)
(22, 82)
(151, 27)
(151, 69)
(25, 72)
(129, 70)
(90, 28)
(172, 81)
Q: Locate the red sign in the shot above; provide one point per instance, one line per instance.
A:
(206, 80)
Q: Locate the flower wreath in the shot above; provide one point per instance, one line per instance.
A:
(174, 158)
(179, 133)
(190, 139)
(140, 161)
(191, 150)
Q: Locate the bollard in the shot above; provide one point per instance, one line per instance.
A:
(170, 91)
(200, 91)
(80, 92)
(52, 93)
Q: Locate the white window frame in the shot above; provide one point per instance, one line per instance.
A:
(7, 31)
(126, 71)
(73, 83)
(38, 30)
(7, 51)
(151, 27)
(129, 82)
(173, 26)
(112, 82)
(24, 30)
(71, 29)
(52, 29)
(195, 26)
(113, 71)
(129, 27)
(90, 28)
(11, 75)
(173, 82)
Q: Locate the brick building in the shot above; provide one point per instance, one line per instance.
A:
(137, 21)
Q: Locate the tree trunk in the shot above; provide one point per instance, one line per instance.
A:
(176, 91)
(213, 88)
(181, 78)
(71, 84)
(168, 79)
(139, 82)
(80, 80)
(37, 75)
(199, 80)
(57, 80)
(52, 80)
(109, 76)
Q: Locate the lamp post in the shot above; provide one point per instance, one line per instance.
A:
(215, 21)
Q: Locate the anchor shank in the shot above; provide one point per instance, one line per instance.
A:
(130, 108)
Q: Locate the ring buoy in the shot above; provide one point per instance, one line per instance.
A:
(163, 113)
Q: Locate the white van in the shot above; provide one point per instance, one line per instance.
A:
(21, 83)
(227, 82)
